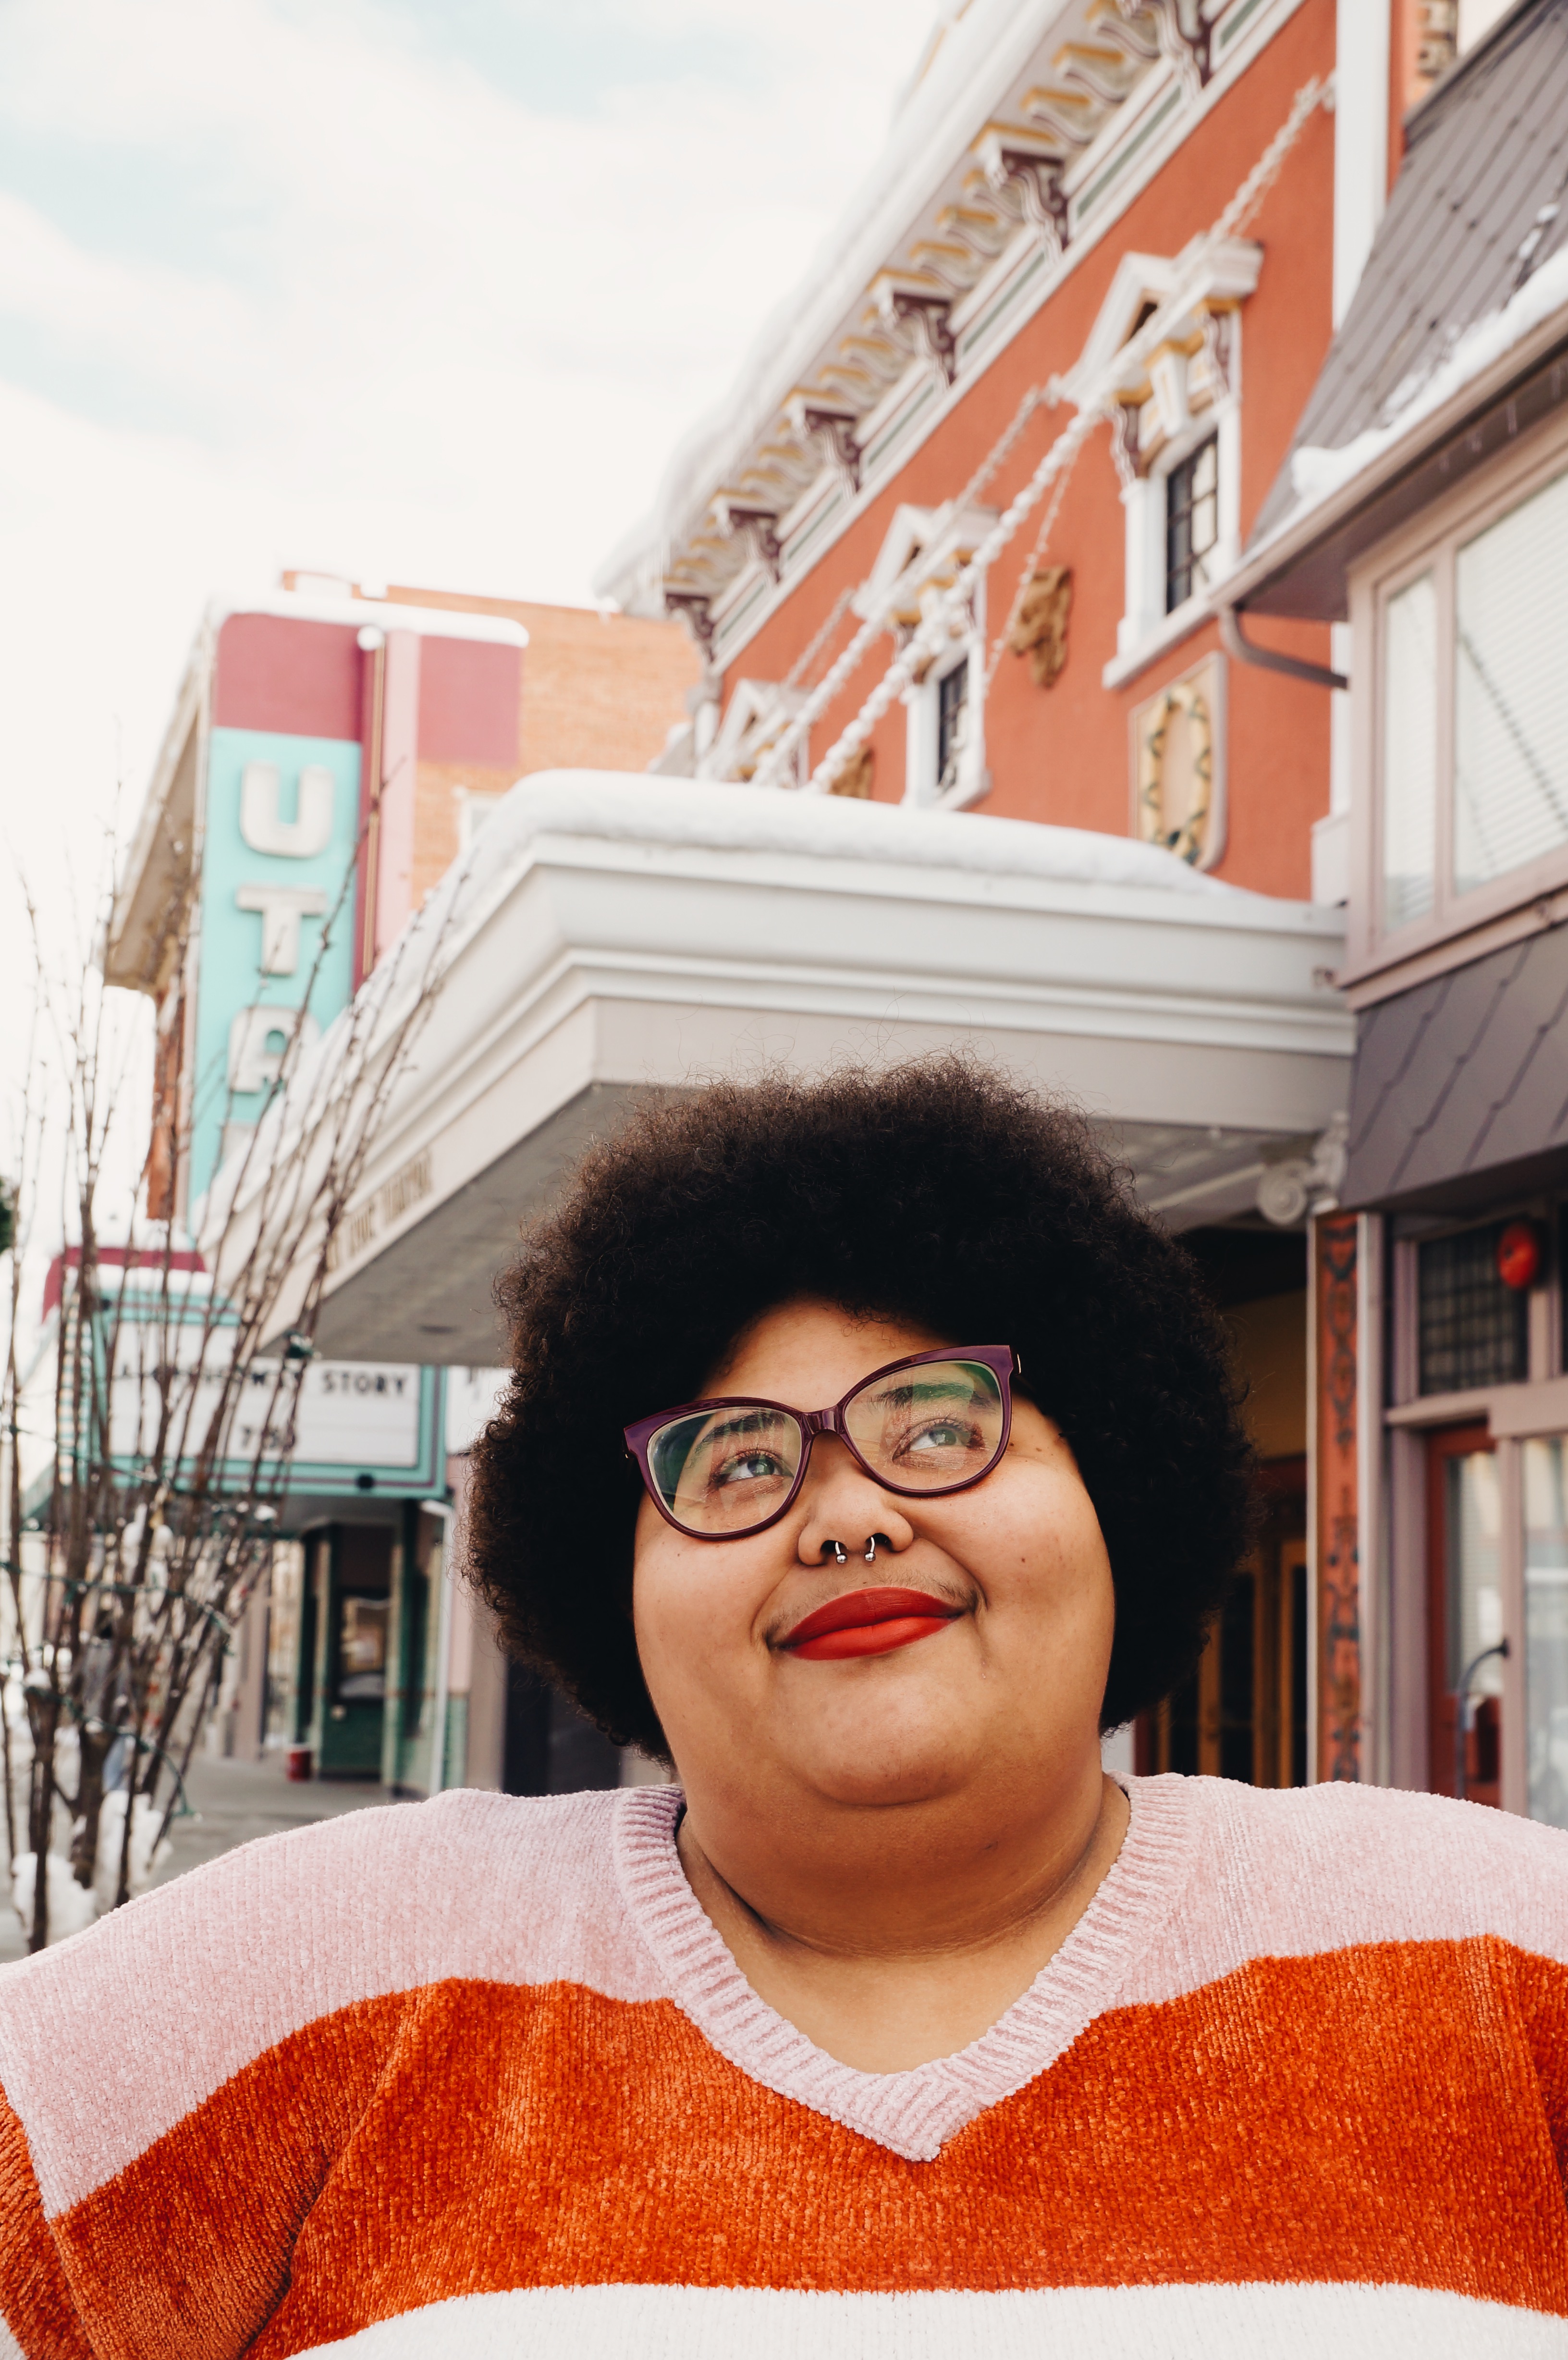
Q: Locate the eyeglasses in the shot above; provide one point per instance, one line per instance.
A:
(934, 1423)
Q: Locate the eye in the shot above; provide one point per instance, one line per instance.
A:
(943, 1434)
(753, 1466)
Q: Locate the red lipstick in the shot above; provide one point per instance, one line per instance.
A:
(869, 1623)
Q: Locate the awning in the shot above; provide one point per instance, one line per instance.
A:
(1460, 1091)
(608, 935)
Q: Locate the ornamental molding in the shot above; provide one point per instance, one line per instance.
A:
(1162, 349)
(923, 312)
(1038, 628)
(1036, 177)
(757, 526)
(923, 552)
(758, 713)
(829, 429)
(692, 607)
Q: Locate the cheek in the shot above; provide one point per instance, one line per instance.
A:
(691, 1606)
(1046, 1545)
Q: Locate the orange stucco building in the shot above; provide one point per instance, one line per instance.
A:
(1127, 229)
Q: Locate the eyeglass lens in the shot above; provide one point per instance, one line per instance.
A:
(929, 1428)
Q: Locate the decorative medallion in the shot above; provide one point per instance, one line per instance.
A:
(858, 776)
(1178, 766)
(1039, 626)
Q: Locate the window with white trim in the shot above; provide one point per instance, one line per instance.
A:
(1192, 522)
(952, 715)
(1183, 517)
(1461, 624)
(945, 745)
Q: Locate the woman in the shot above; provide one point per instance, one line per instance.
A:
(867, 1454)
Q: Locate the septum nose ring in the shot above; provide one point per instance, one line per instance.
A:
(841, 1555)
(871, 1550)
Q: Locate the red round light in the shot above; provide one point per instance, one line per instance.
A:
(1519, 1255)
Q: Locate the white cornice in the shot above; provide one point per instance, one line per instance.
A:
(922, 166)
(982, 56)
(629, 931)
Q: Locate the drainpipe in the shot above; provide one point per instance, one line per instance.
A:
(1270, 660)
(444, 1651)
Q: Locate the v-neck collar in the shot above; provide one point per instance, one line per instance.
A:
(913, 2113)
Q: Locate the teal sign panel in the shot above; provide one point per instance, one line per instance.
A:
(282, 822)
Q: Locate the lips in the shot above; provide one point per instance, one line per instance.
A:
(869, 1623)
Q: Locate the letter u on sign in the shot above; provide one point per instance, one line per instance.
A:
(262, 823)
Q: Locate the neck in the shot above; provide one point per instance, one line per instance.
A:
(890, 1937)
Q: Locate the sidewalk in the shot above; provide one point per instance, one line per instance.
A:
(232, 1801)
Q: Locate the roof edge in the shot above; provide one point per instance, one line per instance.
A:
(428, 622)
(1309, 526)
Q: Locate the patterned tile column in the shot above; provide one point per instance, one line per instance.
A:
(1336, 1497)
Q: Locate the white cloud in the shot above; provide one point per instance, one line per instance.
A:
(315, 284)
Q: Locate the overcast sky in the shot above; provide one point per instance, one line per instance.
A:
(417, 290)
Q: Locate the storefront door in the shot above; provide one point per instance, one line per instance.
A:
(1545, 1475)
(1465, 1613)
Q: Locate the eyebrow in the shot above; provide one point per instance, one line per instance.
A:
(749, 1421)
(948, 1389)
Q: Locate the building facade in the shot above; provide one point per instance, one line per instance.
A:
(327, 758)
(1099, 264)
(1424, 513)
(1003, 738)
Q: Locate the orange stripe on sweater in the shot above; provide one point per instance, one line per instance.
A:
(190, 2255)
(1374, 2115)
(33, 2293)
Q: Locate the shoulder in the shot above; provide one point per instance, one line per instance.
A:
(1308, 1870)
(270, 1938)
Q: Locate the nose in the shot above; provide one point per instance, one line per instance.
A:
(844, 1507)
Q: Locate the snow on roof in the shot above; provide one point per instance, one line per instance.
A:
(677, 812)
(1317, 471)
(1471, 258)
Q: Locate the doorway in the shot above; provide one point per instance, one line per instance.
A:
(1465, 1614)
(1243, 1712)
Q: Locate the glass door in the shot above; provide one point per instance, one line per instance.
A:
(1465, 1614)
(1546, 1629)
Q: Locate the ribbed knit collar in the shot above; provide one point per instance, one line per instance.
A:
(915, 2113)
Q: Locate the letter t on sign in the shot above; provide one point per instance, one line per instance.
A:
(280, 908)
(262, 824)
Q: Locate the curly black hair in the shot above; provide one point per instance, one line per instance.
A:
(938, 1194)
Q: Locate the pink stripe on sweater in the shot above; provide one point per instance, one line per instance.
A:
(108, 2041)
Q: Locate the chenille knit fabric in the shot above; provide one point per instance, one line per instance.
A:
(478, 2079)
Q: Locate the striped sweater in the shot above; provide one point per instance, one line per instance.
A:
(479, 2079)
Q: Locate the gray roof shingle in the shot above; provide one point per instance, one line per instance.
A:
(1480, 203)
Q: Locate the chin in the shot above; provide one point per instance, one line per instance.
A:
(883, 1760)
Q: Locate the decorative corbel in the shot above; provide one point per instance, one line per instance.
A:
(694, 608)
(1036, 180)
(1168, 381)
(1105, 74)
(1133, 30)
(760, 527)
(927, 316)
(1219, 342)
(1184, 38)
(1124, 442)
(831, 432)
